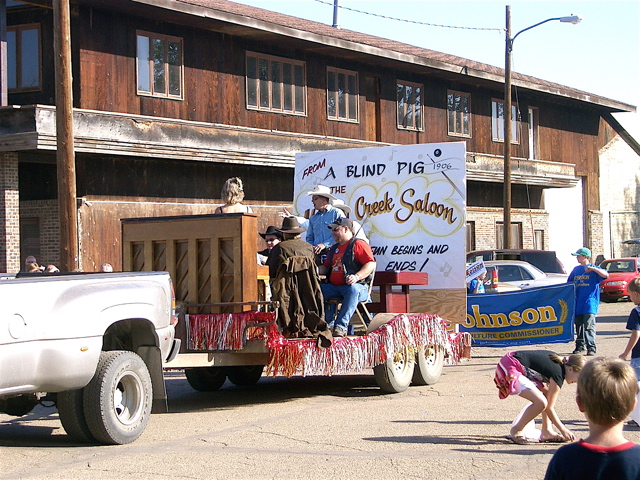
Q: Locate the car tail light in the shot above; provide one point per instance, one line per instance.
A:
(494, 278)
(174, 315)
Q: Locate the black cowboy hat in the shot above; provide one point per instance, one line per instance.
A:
(291, 225)
(271, 230)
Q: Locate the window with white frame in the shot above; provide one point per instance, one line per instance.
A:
(342, 95)
(459, 113)
(409, 105)
(497, 121)
(23, 58)
(160, 65)
(276, 84)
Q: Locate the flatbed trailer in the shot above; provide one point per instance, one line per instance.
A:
(229, 329)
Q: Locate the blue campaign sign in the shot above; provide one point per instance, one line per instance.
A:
(524, 317)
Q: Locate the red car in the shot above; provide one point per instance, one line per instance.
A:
(621, 272)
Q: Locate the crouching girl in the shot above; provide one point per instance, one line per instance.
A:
(538, 376)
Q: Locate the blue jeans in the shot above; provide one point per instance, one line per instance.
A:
(586, 331)
(351, 295)
(635, 364)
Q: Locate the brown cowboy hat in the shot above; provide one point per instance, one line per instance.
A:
(271, 230)
(291, 225)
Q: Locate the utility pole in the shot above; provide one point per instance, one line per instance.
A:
(507, 134)
(65, 155)
(336, 10)
(4, 98)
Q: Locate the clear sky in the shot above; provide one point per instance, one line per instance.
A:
(600, 55)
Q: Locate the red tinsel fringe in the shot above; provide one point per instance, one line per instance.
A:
(223, 331)
(289, 357)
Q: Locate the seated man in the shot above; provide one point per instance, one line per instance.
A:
(349, 267)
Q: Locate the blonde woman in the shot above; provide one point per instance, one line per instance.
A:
(233, 194)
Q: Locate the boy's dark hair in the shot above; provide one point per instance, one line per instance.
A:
(634, 285)
(607, 388)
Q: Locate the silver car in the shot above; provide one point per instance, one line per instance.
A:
(523, 274)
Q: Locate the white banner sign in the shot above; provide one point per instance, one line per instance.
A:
(410, 200)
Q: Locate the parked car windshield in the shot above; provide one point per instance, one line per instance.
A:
(619, 266)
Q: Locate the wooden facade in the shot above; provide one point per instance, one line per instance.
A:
(172, 154)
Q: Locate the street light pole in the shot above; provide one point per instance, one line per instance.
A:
(508, 130)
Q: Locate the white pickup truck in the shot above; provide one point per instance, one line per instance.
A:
(94, 343)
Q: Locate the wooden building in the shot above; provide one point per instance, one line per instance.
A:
(173, 97)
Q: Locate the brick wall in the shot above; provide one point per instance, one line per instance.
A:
(9, 214)
(485, 220)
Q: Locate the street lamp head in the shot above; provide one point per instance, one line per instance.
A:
(575, 19)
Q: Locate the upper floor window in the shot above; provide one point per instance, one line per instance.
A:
(159, 65)
(23, 58)
(342, 95)
(409, 105)
(459, 113)
(276, 84)
(497, 121)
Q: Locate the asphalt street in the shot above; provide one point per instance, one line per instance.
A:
(339, 427)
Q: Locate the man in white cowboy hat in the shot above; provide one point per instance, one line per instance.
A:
(358, 231)
(318, 235)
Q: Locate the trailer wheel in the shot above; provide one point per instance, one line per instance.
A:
(394, 376)
(244, 375)
(429, 363)
(117, 400)
(71, 411)
(206, 379)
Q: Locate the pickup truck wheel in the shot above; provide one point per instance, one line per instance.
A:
(245, 375)
(206, 379)
(429, 363)
(394, 376)
(117, 401)
(71, 412)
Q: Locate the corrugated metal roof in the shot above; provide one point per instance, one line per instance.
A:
(286, 25)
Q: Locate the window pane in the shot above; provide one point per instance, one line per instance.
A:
(465, 115)
(158, 66)
(263, 75)
(342, 101)
(276, 86)
(331, 94)
(299, 83)
(12, 80)
(418, 107)
(30, 59)
(514, 123)
(144, 80)
(450, 113)
(175, 69)
(400, 96)
(252, 82)
(408, 100)
(287, 82)
(353, 98)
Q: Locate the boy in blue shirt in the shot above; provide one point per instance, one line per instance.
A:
(607, 390)
(587, 278)
(633, 324)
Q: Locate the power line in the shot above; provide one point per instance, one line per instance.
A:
(409, 21)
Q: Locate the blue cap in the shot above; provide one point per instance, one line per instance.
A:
(582, 251)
